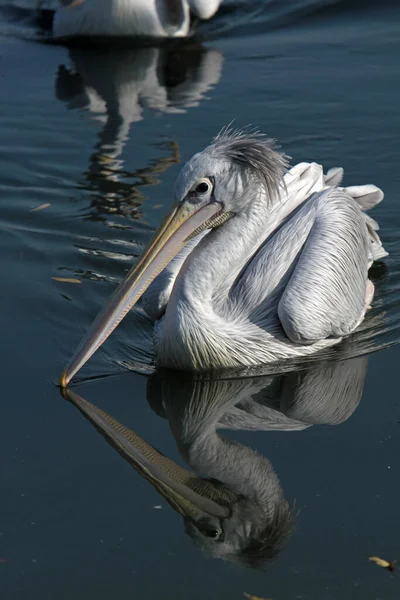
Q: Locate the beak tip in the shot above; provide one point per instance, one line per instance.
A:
(64, 380)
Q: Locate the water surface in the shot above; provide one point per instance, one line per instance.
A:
(97, 137)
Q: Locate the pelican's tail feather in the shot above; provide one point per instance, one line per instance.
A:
(377, 251)
(366, 196)
(334, 176)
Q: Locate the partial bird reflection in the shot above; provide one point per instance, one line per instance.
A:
(116, 87)
(233, 504)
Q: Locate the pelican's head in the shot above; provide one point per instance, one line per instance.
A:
(250, 536)
(225, 523)
(234, 167)
(212, 187)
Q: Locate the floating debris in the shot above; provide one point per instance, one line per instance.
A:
(41, 207)
(254, 597)
(381, 562)
(67, 280)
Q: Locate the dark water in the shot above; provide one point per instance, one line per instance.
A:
(97, 136)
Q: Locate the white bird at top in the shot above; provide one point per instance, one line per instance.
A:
(252, 266)
(125, 18)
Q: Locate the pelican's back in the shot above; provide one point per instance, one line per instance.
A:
(121, 18)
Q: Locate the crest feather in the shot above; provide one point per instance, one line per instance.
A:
(253, 151)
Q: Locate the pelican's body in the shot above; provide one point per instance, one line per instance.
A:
(269, 285)
(262, 267)
(125, 18)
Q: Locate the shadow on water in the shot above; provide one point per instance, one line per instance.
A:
(232, 504)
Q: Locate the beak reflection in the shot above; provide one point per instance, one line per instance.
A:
(188, 494)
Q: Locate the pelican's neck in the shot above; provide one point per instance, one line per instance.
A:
(212, 267)
(202, 327)
(243, 470)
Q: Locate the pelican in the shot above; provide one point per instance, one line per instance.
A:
(252, 266)
(125, 18)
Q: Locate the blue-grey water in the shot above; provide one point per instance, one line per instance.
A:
(90, 145)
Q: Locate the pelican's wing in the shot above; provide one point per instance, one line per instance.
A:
(325, 393)
(327, 292)
(314, 270)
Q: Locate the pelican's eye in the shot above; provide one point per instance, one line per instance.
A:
(201, 190)
(210, 530)
(203, 187)
(212, 533)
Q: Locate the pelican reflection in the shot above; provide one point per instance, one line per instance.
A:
(231, 501)
(117, 88)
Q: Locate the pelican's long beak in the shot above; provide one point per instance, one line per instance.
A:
(184, 221)
(189, 495)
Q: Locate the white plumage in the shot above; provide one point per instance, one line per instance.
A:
(125, 18)
(271, 284)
